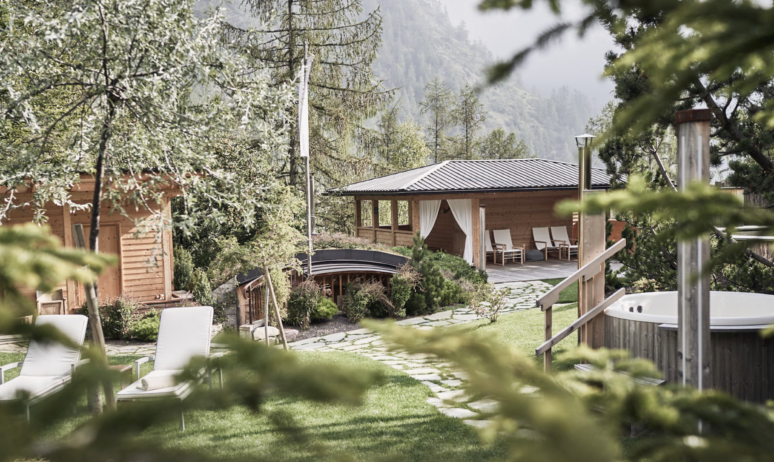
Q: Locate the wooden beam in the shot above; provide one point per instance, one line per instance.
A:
(414, 217)
(592, 289)
(394, 219)
(166, 244)
(694, 352)
(72, 287)
(375, 216)
(476, 230)
(358, 214)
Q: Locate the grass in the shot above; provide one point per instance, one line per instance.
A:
(568, 295)
(524, 331)
(395, 420)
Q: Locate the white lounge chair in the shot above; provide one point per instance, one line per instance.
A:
(569, 246)
(184, 333)
(543, 242)
(47, 366)
(503, 238)
(490, 249)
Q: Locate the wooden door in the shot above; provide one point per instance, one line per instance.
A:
(109, 282)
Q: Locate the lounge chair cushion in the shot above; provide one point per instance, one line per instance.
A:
(51, 359)
(184, 333)
(135, 391)
(34, 385)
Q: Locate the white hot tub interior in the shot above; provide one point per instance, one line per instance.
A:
(726, 308)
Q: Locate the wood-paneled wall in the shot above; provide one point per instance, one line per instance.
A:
(144, 270)
(522, 211)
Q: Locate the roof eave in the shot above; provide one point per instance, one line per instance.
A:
(456, 191)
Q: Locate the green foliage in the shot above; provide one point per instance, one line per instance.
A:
(201, 289)
(147, 328)
(487, 301)
(402, 286)
(118, 318)
(325, 310)
(302, 303)
(470, 115)
(183, 269)
(324, 241)
(362, 299)
(436, 103)
(498, 145)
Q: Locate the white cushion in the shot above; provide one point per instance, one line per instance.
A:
(503, 236)
(183, 334)
(34, 385)
(53, 359)
(134, 391)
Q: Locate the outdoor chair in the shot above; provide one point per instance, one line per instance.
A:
(184, 333)
(544, 242)
(503, 238)
(490, 249)
(48, 366)
(570, 246)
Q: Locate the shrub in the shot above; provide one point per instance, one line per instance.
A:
(402, 287)
(344, 241)
(117, 318)
(364, 299)
(325, 309)
(487, 301)
(201, 289)
(183, 270)
(303, 300)
(147, 328)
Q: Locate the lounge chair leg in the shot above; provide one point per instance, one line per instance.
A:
(28, 414)
(182, 418)
(220, 375)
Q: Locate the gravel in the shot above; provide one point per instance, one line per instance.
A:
(339, 323)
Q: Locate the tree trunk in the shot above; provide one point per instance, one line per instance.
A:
(291, 70)
(92, 295)
(267, 278)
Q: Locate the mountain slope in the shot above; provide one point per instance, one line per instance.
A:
(419, 42)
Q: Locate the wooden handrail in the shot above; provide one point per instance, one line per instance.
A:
(587, 271)
(588, 316)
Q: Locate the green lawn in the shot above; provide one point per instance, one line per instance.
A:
(568, 295)
(394, 420)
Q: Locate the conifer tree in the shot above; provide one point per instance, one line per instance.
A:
(498, 145)
(343, 89)
(437, 103)
(470, 115)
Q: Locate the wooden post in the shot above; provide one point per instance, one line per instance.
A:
(72, 286)
(693, 289)
(267, 278)
(375, 216)
(592, 290)
(394, 217)
(482, 234)
(414, 216)
(549, 315)
(476, 230)
(358, 216)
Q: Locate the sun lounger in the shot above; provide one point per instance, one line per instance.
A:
(544, 242)
(490, 249)
(184, 333)
(569, 246)
(47, 366)
(503, 238)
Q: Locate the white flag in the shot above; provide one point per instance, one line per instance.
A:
(303, 108)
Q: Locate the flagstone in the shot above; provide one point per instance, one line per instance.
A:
(435, 388)
(440, 315)
(426, 377)
(458, 413)
(485, 405)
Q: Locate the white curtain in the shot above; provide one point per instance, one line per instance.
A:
(461, 209)
(428, 212)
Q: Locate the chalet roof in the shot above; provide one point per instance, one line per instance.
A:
(458, 176)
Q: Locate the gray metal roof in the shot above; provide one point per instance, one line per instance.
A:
(478, 176)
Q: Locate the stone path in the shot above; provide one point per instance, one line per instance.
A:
(444, 381)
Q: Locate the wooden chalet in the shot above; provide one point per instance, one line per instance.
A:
(144, 270)
(449, 203)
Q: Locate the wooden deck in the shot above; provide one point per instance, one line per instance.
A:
(530, 271)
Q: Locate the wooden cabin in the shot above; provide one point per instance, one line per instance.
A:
(515, 194)
(144, 270)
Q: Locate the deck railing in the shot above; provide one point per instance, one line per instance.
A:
(586, 273)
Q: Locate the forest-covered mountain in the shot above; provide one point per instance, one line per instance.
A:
(420, 42)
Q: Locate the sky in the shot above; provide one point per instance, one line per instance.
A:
(573, 62)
